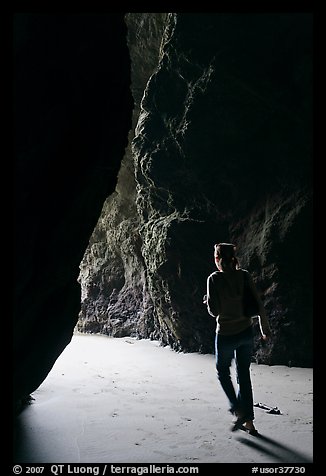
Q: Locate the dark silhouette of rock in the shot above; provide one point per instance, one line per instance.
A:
(72, 115)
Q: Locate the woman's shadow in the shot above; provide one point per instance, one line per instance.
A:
(273, 448)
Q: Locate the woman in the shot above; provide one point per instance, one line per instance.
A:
(234, 332)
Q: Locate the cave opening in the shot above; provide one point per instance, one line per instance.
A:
(220, 150)
(198, 134)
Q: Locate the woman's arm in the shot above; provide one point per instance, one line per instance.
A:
(263, 321)
(212, 301)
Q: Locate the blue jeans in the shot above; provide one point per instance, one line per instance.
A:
(240, 347)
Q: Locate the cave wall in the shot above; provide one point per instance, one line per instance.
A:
(115, 296)
(222, 152)
(72, 115)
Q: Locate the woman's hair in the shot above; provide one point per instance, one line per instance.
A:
(226, 254)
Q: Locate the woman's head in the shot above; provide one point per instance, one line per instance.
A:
(224, 254)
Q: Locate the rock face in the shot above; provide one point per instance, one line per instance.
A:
(115, 295)
(222, 152)
(72, 116)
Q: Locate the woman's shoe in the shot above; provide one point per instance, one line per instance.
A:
(253, 432)
(238, 423)
(248, 426)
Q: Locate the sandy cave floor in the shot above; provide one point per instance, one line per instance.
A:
(123, 400)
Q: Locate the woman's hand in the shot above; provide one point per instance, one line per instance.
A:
(266, 336)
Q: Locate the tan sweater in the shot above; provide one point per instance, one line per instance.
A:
(224, 302)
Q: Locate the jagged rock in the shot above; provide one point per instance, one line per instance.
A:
(222, 152)
(115, 297)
